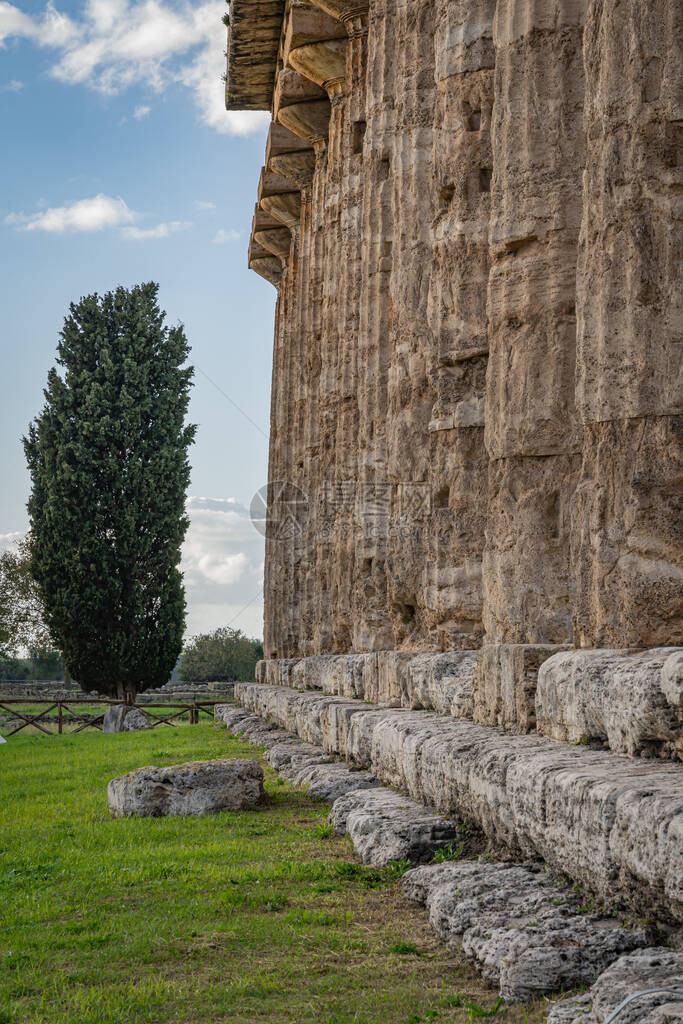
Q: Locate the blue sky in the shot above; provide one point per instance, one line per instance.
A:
(120, 164)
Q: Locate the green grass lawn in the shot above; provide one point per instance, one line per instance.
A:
(241, 917)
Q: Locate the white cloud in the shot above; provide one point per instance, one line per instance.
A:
(82, 215)
(222, 236)
(222, 546)
(223, 566)
(204, 618)
(202, 204)
(94, 215)
(8, 541)
(159, 231)
(119, 43)
(13, 86)
(141, 111)
(222, 562)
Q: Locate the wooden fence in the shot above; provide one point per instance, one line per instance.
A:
(62, 707)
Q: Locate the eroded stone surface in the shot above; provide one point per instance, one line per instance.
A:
(303, 764)
(630, 700)
(612, 823)
(385, 826)
(521, 928)
(505, 685)
(196, 788)
(652, 968)
(442, 682)
(477, 372)
(330, 780)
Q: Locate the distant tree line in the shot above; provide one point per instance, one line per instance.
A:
(226, 655)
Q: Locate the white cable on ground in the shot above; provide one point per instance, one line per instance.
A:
(636, 995)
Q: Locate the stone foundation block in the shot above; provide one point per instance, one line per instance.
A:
(385, 826)
(277, 671)
(520, 927)
(442, 682)
(611, 823)
(632, 701)
(505, 684)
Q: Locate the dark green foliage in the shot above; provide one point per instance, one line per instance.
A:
(224, 655)
(109, 470)
(46, 663)
(12, 669)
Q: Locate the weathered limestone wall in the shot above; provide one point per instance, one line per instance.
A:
(532, 436)
(471, 219)
(627, 519)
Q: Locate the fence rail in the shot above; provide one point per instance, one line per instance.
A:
(195, 708)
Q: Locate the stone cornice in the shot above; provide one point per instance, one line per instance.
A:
(275, 240)
(253, 46)
(269, 267)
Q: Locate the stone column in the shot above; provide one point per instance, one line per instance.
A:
(627, 528)
(338, 66)
(461, 171)
(409, 399)
(532, 434)
(373, 140)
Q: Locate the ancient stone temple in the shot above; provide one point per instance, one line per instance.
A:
(471, 212)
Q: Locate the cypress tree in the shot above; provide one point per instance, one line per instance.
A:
(108, 458)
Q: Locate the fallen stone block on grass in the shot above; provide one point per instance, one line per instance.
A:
(657, 968)
(523, 929)
(200, 787)
(123, 718)
(385, 826)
